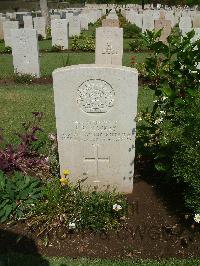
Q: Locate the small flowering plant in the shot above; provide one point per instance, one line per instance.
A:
(197, 218)
(64, 180)
(66, 204)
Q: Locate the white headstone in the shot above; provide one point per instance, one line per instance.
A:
(25, 52)
(55, 17)
(109, 45)
(44, 11)
(2, 19)
(95, 110)
(196, 21)
(138, 20)
(148, 22)
(74, 26)
(170, 16)
(185, 22)
(7, 27)
(40, 26)
(84, 21)
(28, 22)
(59, 32)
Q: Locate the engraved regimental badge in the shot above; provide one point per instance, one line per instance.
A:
(95, 96)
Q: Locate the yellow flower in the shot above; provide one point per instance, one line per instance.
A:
(64, 181)
(66, 172)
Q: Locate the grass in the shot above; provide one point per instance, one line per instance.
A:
(47, 44)
(19, 101)
(24, 260)
(51, 61)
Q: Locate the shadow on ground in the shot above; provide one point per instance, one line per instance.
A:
(14, 248)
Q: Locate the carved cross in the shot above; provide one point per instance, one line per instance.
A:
(97, 159)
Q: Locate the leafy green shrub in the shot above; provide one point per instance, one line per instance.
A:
(131, 30)
(170, 131)
(25, 155)
(186, 157)
(18, 195)
(7, 50)
(137, 45)
(83, 43)
(48, 32)
(66, 204)
(23, 78)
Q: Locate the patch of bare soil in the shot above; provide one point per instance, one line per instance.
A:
(155, 229)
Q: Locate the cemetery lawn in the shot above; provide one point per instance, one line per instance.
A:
(18, 101)
(24, 260)
(51, 61)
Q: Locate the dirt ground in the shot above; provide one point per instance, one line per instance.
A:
(154, 229)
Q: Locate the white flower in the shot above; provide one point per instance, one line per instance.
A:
(162, 112)
(155, 101)
(139, 119)
(117, 207)
(72, 226)
(197, 218)
(164, 98)
(158, 121)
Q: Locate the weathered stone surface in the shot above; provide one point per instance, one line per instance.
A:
(45, 11)
(59, 32)
(185, 22)
(165, 25)
(40, 26)
(2, 19)
(148, 22)
(110, 23)
(25, 52)
(196, 21)
(7, 27)
(84, 21)
(109, 45)
(74, 26)
(95, 110)
(55, 17)
(28, 22)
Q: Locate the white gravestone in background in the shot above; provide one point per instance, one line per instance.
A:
(28, 22)
(25, 52)
(40, 26)
(84, 21)
(109, 45)
(7, 27)
(185, 22)
(45, 11)
(74, 26)
(2, 19)
(59, 32)
(52, 17)
(95, 108)
(148, 22)
(138, 20)
(196, 21)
